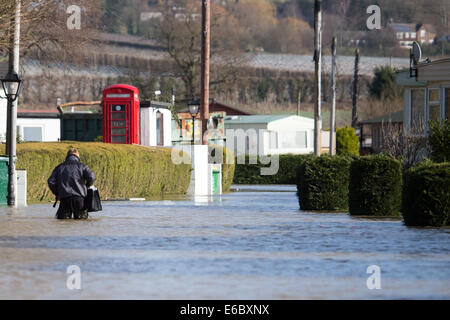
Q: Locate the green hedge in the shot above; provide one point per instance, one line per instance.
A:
(426, 195)
(323, 183)
(287, 171)
(123, 171)
(375, 187)
(347, 142)
(439, 141)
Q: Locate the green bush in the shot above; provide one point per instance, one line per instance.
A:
(347, 141)
(439, 141)
(375, 187)
(426, 195)
(123, 171)
(323, 183)
(287, 172)
(383, 84)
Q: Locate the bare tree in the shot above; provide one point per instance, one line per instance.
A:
(411, 147)
(44, 27)
(179, 30)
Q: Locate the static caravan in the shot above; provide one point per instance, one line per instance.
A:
(38, 126)
(32, 125)
(270, 134)
(426, 96)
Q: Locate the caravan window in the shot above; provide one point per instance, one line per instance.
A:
(32, 134)
(434, 105)
(417, 111)
(447, 103)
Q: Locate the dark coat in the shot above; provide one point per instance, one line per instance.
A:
(71, 179)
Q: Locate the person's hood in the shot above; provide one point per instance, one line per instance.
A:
(72, 157)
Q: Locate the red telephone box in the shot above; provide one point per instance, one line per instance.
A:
(121, 114)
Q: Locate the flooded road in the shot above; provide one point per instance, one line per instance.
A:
(252, 243)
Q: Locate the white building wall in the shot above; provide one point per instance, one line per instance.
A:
(50, 128)
(148, 126)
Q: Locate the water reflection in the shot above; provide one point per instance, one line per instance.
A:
(252, 243)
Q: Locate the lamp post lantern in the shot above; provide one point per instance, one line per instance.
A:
(11, 83)
(193, 107)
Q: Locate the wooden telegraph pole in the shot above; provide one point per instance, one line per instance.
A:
(355, 90)
(318, 72)
(333, 99)
(204, 100)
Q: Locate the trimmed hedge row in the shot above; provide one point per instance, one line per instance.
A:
(287, 172)
(123, 171)
(375, 187)
(426, 195)
(323, 183)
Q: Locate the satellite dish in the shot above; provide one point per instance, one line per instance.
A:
(416, 52)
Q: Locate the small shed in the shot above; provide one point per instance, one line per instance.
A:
(183, 128)
(270, 134)
(374, 129)
(156, 124)
(81, 121)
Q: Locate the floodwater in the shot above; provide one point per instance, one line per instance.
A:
(252, 243)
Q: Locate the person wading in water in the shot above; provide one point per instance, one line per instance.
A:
(69, 182)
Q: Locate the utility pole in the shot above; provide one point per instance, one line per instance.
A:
(355, 90)
(204, 100)
(299, 101)
(11, 134)
(318, 75)
(333, 99)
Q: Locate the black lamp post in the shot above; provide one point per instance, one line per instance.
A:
(11, 84)
(194, 106)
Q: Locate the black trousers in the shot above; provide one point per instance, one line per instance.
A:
(72, 206)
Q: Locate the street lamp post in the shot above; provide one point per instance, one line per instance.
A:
(193, 107)
(11, 84)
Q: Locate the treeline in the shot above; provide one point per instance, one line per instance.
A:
(286, 26)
